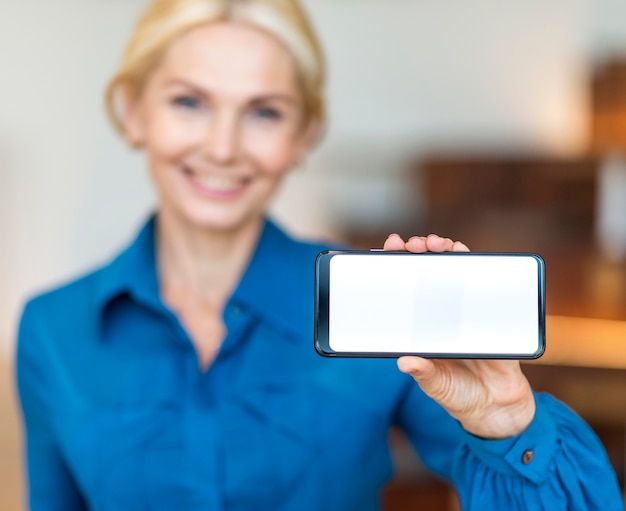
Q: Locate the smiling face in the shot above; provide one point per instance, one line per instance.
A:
(221, 119)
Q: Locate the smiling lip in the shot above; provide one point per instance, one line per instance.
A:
(210, 185)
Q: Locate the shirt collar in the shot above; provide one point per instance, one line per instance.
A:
(132, 272)
(276, 285)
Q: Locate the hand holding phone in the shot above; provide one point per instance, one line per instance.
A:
(490, 398)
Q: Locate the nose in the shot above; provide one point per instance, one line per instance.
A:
(222, 142)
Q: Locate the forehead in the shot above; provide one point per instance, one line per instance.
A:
(232, 57)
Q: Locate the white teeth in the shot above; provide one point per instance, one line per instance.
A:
(219, 183)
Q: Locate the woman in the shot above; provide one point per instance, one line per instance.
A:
(182, 374)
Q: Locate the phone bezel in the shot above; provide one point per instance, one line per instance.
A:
(321, 307)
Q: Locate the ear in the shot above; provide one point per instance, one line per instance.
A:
(133, 118)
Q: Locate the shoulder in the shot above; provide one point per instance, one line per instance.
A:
(76, 299)
(285, 263)
(66, 304)
(75, 288)
(293, 250)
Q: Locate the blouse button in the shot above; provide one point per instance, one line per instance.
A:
(527, 457)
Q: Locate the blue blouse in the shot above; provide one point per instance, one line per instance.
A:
(118, 416)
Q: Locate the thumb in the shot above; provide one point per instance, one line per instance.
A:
(421, 369)
(433, 378)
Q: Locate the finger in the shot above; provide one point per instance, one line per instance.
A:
(458, 246)
(416, 244)
(436, 243)
(394, 242)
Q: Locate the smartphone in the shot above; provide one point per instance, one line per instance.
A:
(436, 305)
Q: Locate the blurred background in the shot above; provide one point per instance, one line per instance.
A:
(499, 123)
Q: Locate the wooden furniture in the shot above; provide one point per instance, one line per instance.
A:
(526, 204)
(608, 107)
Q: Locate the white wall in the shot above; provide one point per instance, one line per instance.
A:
(61, 164)
(405, 75)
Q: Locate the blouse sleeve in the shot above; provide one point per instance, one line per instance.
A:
(558, 463)
(50, 485)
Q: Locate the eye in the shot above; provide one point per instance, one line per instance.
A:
(188, 102)
(267, 113)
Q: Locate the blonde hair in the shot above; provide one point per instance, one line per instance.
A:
(165, 20)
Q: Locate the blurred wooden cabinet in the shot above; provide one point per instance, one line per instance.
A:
(520, 203)
(608, 107)
(541, 205)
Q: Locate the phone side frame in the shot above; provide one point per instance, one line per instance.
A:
(321, 307)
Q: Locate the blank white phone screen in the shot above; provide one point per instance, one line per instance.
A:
(473, 304)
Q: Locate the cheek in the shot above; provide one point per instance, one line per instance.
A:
(169, 138)
(273, 155)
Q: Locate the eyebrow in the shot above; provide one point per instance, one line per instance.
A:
(272, 96)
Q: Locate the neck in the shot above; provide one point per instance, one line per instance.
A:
(202, 264)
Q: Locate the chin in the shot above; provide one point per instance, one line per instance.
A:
(222, 223)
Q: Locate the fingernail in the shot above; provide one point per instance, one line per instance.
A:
(406, 367)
